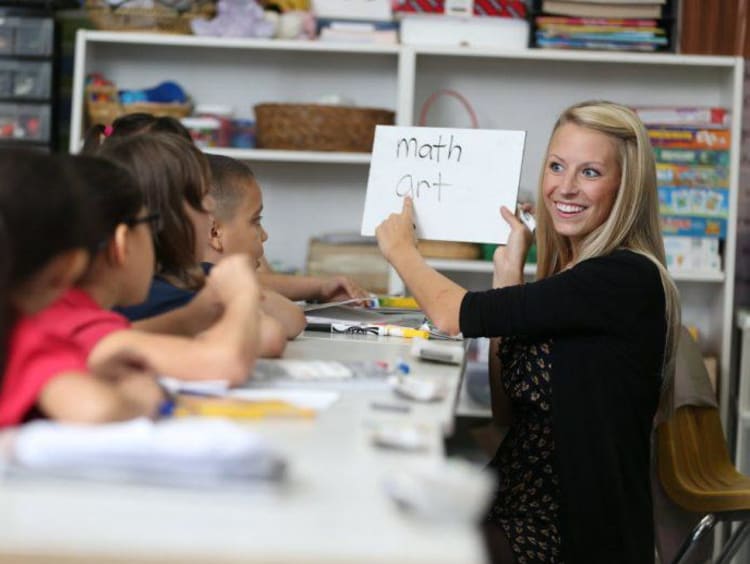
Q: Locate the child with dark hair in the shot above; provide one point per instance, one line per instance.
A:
(175, 178)
(237, 228)
(45, 373)
(36, 268)
(132, 124)
(119, 275)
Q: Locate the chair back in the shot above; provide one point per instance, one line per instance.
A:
(694, 465)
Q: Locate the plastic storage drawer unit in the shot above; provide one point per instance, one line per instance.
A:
(33, 36)
(25, 79)
(26, 36)
(24, 122)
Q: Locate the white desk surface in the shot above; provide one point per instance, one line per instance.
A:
(332, 508)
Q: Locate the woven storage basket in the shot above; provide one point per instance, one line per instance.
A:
(449, 250)
(102, 105)
(105, 110)
(162, 18)
(313, 127)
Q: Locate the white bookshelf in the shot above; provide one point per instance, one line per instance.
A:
(310, 193)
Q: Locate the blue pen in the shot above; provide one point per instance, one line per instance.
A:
(166, 408)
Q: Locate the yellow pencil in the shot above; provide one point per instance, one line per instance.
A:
(238, 409)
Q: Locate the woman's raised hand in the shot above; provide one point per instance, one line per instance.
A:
(510, 258)
(397, 232)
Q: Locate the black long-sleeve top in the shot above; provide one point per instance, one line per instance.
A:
(605, 318)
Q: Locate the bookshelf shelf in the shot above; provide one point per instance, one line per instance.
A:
(659, 59)
(268, 155)
(166, 40)
(485, 266)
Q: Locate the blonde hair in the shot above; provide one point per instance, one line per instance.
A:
(632, 224)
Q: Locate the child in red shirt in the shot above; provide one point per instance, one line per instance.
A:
(43, 371)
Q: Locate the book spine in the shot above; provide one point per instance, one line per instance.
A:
(690, 138)
(700, 202)
(691, 156)
(694, 226)
(692, 175)
(692, 253)
(684, 116)
(547, 20)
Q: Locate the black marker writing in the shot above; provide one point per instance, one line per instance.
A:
(431, 151)
(407, 187)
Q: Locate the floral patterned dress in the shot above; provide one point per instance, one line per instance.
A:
(527, 500)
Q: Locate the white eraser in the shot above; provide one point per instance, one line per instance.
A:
(437, 351)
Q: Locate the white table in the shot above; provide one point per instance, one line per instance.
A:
(332, 509)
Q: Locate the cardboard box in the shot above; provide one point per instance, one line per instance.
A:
(494, 33)
(362, 262)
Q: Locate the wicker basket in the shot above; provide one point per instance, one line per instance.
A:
(162, 18)
(103, 107)
(449, 250)
(311, 127)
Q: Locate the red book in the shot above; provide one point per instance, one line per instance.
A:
(501, 8)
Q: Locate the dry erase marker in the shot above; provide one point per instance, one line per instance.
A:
(527, 219)
(407, 332)
(406, 302)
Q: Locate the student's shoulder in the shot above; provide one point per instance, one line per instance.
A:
(34, 341)
(162, 298)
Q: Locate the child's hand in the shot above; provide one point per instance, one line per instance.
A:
(234, 277)
(143, 391)
(134, 379)
(397, 232)
(340, 288)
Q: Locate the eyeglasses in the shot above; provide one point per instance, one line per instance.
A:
(153, 219)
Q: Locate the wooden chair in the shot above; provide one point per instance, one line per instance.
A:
(697, 474)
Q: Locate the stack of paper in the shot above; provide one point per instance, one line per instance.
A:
(181, 452)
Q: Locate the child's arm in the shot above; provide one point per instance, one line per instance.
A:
(272, 337)
(189, 320)
(287, 313)
(227, 350)
(84, 398)
(296, 288)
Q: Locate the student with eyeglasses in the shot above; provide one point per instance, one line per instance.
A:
(119, 274)
(44, 360)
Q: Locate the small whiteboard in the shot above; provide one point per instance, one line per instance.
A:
(458, 179)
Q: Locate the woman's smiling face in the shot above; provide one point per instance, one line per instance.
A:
(581, 180)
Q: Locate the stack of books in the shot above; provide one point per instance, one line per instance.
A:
(616, 25)
(358, 31)
(691, 146)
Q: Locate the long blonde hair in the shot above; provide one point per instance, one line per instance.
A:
(633, 222)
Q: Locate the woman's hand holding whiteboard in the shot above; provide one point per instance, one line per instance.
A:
(457, 178)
